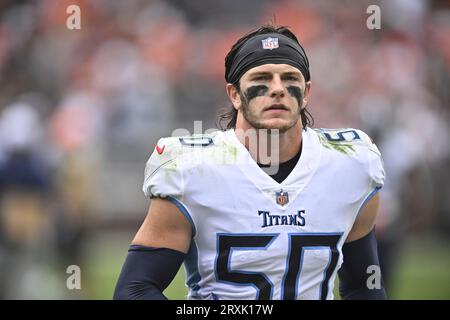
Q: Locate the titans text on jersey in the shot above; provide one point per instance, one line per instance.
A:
(286, 219)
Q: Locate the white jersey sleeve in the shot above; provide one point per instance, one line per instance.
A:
(163, 172)
(357, 145)
(375, 166)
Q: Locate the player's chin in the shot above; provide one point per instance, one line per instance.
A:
(280, 124)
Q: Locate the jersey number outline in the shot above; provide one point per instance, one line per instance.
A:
(196, 141)
(341, 136)
(298, 242)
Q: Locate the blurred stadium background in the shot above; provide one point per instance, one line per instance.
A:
(81, 110)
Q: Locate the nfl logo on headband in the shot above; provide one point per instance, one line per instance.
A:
(270, 43)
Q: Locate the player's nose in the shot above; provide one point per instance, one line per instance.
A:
(277, 89)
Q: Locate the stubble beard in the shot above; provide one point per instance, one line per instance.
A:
(252, 119)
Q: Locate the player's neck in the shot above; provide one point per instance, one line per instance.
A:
(268, 148)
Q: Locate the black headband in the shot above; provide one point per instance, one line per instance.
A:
(268, 48)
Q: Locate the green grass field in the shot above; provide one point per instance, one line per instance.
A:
(423, 270)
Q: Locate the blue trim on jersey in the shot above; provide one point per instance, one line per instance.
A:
(274, 235)
(301, 260)
(215, 296)
(369, 196)
(325, 273)
(184, 211)
(191, 264)
(283, 281)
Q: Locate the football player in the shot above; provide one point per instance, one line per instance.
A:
(246, 232)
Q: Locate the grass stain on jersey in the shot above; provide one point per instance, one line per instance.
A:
(341, 146)
(170, 170)
(230, 151)
(224, 154)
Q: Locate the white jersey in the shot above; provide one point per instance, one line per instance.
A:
(255, 238)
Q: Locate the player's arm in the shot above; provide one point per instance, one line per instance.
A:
(360, 252)
(156, 253)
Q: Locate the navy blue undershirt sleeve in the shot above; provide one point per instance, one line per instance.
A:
(354, 275)
(147, 272)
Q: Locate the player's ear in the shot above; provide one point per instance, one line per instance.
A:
(306, 94)
(234, 96)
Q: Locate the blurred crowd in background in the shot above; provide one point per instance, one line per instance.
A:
(81, 111)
